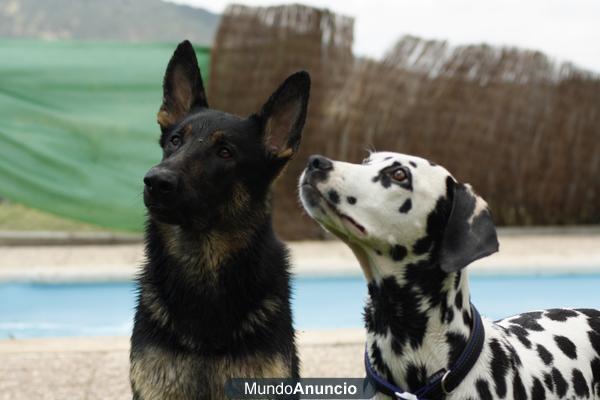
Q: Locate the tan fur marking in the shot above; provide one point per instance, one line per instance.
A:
(253, 366)
(164, 119)
(157, 374)
(160, 374)
(182, 91)
(152, 302)
(216, 136)
(187, 131)
(205, 254)
(240, 200)
(261, 315)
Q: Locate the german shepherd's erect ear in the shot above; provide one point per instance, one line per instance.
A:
(283, 116)
(183, 89)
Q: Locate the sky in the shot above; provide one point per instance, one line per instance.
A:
(566, 30)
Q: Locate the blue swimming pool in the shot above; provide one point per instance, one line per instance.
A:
(92, 309)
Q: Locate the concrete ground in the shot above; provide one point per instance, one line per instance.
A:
(97, 368)
(522, 251)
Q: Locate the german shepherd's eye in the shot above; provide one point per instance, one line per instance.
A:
(398, 174)
(175, 140)
(224, 152)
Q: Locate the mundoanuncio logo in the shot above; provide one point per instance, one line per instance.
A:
(308, 388)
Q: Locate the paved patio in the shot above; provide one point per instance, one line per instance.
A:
(98, 368)
(522, 251)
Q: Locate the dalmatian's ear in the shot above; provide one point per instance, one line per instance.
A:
(470, 233)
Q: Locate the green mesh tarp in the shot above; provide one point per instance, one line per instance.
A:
(78, 126)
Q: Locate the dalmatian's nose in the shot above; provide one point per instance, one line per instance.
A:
(319, 163)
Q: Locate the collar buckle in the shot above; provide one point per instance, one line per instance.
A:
(437, 385)
(443, 383)
(405, 396)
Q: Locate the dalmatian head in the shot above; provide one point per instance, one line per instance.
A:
(401, 208)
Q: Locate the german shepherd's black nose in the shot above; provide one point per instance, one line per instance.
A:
(319, 163)
(161, 181)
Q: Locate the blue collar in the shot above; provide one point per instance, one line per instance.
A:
(442, 382)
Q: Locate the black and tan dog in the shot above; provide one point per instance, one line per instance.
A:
(214, 293)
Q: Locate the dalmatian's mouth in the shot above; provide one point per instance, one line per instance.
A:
(349, 222)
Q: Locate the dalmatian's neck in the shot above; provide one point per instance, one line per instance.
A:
(418, 318)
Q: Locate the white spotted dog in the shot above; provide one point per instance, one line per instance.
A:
(414, 228)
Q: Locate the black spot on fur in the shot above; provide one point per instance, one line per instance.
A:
(515, 360)
(517, 330)
(589, 312)
(443, 309)
(414, 164)
(395, 309)
(351, 199)
(544, 354)
(397, 347)
(404, 208)
(449, 316)
(559, 382)
(521, 334)
(595, 341)
(436, 224)
(387, 158)
(466, 318)
(430, 279)
(519, 392)
(416, 376)
(595, 366)
(458, 300)
(483, 390)
(398, 252)
(333, 196)
(594, 323)
(579, 383)
(386, 181)
(560, 314)
(537, 390)
(422, 245)
(566, 346)
(457, 277)
(503, 329)
(499, 366)
(548, 382)
(432, 164)
(457, 343)
(379, 364)
(529, 321)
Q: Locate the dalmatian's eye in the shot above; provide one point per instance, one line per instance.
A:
(398, 175)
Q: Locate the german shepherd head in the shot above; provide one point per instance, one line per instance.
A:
(217, 168)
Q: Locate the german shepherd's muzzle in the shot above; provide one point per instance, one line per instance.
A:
(214, 292)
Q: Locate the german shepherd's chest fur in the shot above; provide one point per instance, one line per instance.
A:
(214, 293)
(199, 323)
